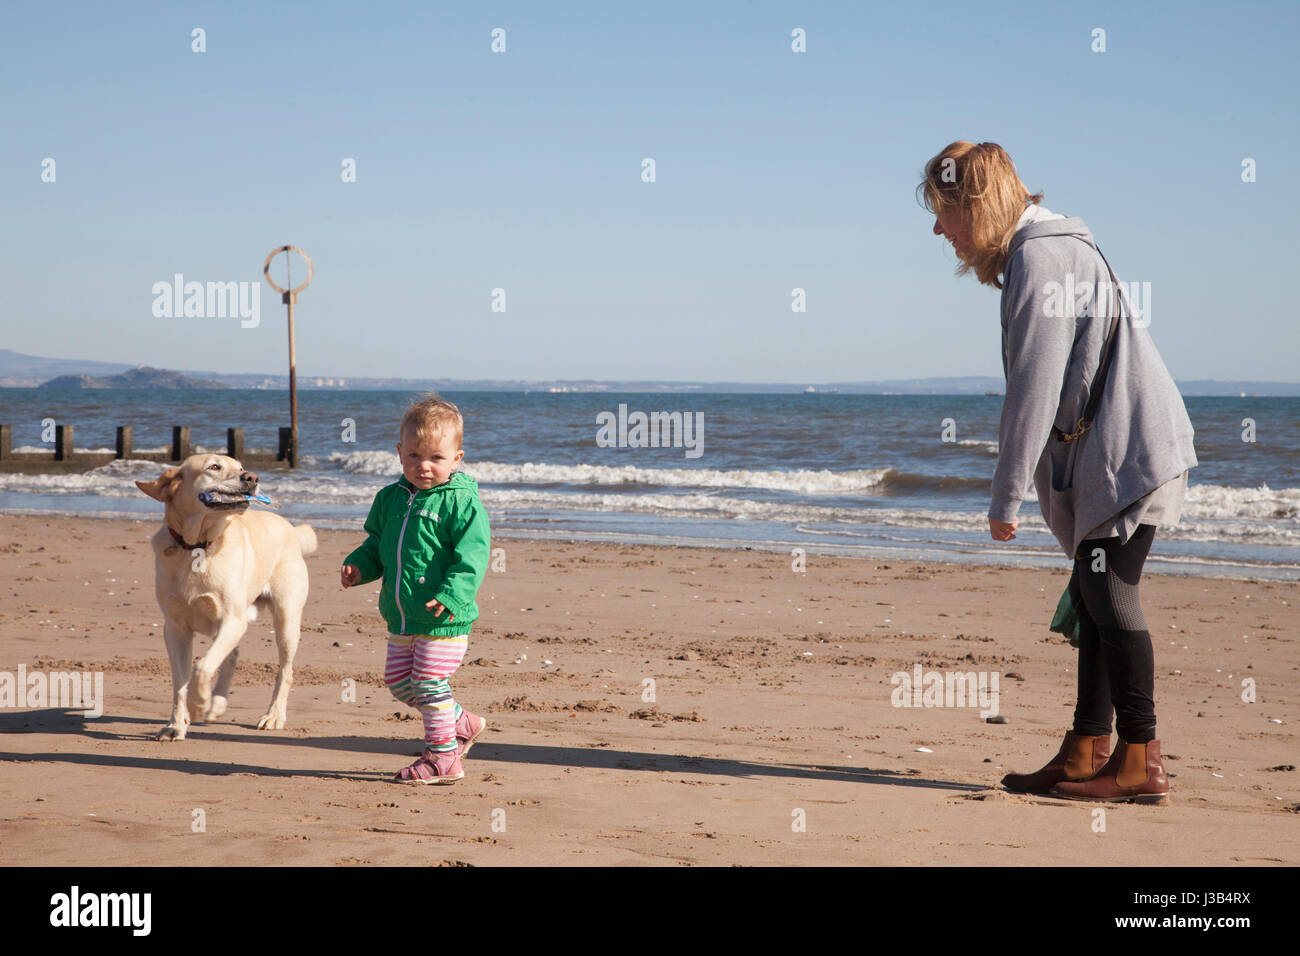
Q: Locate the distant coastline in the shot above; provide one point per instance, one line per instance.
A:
(32, 371)
(142, 377)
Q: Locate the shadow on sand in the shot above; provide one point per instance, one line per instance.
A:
(485, 753)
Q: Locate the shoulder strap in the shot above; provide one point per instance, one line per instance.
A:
(1107, 353)
(1108, 350)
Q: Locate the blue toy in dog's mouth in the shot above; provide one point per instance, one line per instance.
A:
(218, 498)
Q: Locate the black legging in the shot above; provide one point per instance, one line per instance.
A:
(1116, 661)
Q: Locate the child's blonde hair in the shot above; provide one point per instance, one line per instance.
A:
(430, 417)
(980, 182)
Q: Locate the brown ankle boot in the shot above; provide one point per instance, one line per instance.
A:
(1134, 772)
(1079, 758)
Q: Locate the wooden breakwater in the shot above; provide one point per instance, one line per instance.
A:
(64, 456)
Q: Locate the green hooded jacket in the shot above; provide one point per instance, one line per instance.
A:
(426, 545)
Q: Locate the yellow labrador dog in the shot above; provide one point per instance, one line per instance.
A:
(215, 563)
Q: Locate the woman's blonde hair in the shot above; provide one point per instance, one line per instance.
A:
(430, 417)
(980, 182)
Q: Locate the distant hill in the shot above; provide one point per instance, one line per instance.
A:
(28, 371)
(141, 377)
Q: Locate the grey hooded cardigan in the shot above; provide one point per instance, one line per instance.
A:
(1141, 439)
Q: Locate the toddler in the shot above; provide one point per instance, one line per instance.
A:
(428, 538)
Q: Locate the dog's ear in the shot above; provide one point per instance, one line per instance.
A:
(164, 487)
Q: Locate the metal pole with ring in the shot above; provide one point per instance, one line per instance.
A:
(289, 297)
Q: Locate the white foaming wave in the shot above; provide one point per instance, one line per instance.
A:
(361, 462)
(1253, 516)
(715, 506)
(512, 502)
(49, 450)
(1234, 532)
(1219, 501)
(115, 479)
(308, 489)
(1222, 501)
(128, 468)
(991, 447)
(803, 481)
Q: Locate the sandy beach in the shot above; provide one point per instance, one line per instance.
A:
(772, 737)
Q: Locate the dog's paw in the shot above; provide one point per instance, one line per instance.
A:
(271, 721)
(218, 708)
(171, 732)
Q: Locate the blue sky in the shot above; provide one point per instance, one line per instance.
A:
(522, 170)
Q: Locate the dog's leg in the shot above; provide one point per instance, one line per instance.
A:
(286, 609)
(205, 670)
(180, 647)
(221, 693)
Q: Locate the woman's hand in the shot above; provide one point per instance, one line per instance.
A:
(1002, 531)
(349, 575)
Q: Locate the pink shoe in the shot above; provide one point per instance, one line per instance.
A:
(468, 728)
(432, 768)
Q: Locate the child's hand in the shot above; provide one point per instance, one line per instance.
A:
(350, 575)
(440, 608)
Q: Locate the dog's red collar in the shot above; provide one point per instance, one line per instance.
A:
(182, 543)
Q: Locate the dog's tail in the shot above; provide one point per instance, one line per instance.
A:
(306, 538)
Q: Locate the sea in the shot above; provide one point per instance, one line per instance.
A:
(903, 477)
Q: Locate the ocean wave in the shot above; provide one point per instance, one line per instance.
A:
(49, 450)
(907, 482)
(521, 503)
(382, 463)
(802, 481)
(1259, 515)
(114, 479)
(1218, 501)
(873, 481)
(128, 468)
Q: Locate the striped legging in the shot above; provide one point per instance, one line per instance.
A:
(417, 672)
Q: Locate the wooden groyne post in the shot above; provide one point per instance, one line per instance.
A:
(63, 444)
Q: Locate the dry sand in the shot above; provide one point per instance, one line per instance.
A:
(772, 706)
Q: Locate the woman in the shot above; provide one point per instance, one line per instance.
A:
(1103, 488)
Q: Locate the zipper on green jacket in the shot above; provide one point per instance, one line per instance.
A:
(397, 585)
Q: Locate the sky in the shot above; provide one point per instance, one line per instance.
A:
(522, 170)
